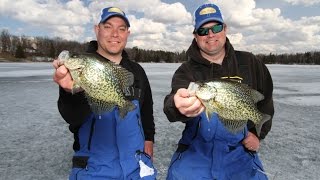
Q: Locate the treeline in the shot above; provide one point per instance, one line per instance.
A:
(35, 48)
(297, 58)
(141, 55)
(45, 49)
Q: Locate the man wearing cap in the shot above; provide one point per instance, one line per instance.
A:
(207, 150)
(107, 146)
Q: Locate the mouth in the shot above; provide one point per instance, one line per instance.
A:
(212, 41)
(114, 42)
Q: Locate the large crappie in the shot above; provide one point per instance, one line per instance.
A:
(234, 102)
(103, 82)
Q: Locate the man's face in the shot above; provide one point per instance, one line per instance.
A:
(213, 43)
(112, 36)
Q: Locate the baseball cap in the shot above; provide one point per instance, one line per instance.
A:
(111, 12)
(206, 13)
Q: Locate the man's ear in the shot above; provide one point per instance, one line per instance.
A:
(225, 28)
(96, 29)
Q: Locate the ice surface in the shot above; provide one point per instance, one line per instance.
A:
(36, 143)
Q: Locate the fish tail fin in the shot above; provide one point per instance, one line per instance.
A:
(128, 106)
(265, 118)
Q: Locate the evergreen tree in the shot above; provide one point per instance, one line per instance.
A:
(19, 52)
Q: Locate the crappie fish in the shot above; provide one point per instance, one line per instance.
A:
(234, 102)
(103, 82)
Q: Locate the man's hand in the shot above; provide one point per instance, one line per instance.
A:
(148, 148)
(187, 104)
(62, 76)
(251, 142)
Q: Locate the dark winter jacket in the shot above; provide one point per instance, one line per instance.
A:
(75, 108)
(235, 63)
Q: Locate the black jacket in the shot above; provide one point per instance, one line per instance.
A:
(75, 108)
(235, 63)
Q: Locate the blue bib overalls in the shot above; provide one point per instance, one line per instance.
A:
(213, 153)
(111, 148)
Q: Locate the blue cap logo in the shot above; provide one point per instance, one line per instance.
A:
(206, 13)
(111, 12)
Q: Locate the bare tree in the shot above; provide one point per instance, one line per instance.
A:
(5, 40)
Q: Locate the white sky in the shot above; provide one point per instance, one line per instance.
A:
(261, 26)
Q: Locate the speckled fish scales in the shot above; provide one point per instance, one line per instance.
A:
(235, 103)
(103, 82)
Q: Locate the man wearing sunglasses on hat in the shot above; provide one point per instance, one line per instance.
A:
(207, 150)
(106, 145)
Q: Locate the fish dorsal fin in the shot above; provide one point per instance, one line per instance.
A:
(256, 95)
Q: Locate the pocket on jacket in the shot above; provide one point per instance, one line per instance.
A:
(251, 171)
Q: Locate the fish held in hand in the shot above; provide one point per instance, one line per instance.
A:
(103, 82)
(234, 102)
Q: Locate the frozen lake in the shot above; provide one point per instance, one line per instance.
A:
(35, 142)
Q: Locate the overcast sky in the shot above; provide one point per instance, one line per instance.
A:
(260, 26)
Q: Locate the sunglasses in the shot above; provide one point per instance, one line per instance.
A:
(205, 30)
